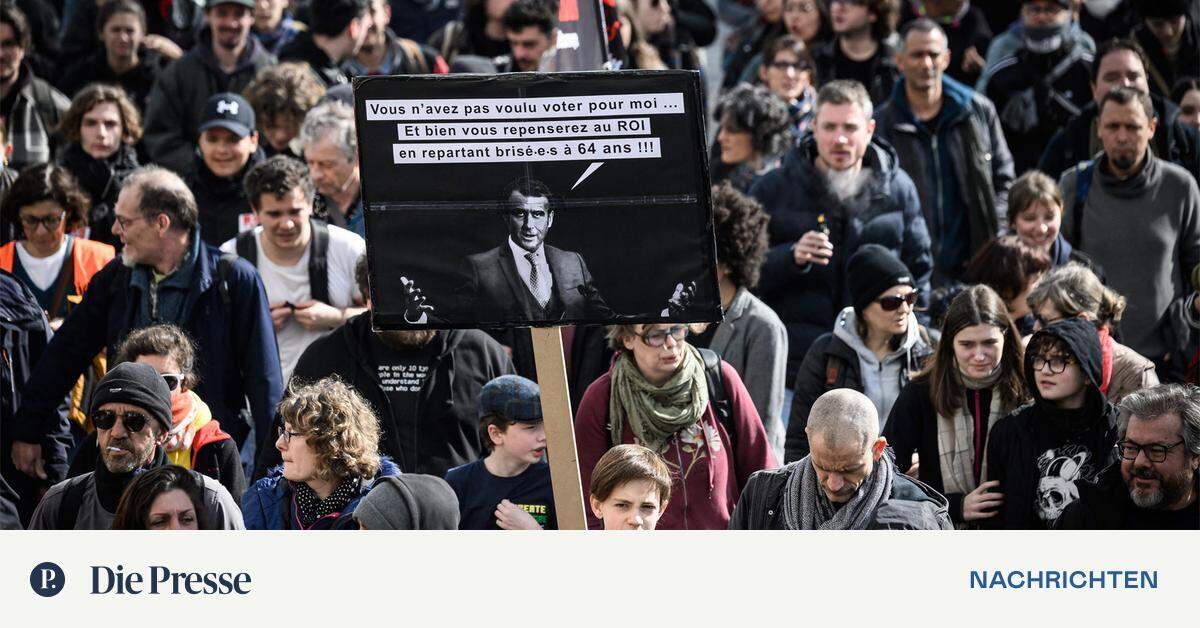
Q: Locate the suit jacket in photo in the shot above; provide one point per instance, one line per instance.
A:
(496, 292)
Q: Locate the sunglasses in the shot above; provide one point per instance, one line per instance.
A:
(892, 302)
(173, 380)
(106, 419)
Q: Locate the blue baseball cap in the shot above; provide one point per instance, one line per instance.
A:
(513, 397)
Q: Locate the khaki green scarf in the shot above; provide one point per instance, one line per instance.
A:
(656, 413)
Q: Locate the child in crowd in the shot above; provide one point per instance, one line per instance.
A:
(630, 488)
(510, 488)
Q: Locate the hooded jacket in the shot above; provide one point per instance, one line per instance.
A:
(886, 211)
(237, 357)
(443, 429)
(962, 169)
(177, 101)
(267, 504)
(102, 180)
(220, 200)
(910, 506)
(1173, 141)
(884, 73)
(1041, 454)
(841, 359)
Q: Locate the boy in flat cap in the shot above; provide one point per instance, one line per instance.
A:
(131, 409)
(510, 488)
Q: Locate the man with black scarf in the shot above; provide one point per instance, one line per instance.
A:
(1043, 453)
(131, 409)
(1129, 202)
(849, 480)
(1044, 84)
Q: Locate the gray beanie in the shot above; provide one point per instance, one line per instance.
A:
(409, 501)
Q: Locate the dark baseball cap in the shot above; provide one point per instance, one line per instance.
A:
(228, 111)
(512, 397)
(249, 4)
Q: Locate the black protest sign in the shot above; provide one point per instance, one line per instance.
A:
(536, 199)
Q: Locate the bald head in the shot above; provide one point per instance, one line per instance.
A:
(843, 418)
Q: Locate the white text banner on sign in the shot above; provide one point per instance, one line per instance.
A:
(524, 108)
(521, 130)
(571, 150)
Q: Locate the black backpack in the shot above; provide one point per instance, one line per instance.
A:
(318, 258)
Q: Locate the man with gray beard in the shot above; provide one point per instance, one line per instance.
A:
(839, 189)
(1156, 485)
(131, 409)
(423, 385)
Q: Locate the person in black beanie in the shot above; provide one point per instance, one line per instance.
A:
(409, 501)
(875, 347)
(1043, 452)
(131, 410)
(1171, 38)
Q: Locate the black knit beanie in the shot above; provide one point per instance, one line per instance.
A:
(137, 385)
(1164, 8)
(871, 270)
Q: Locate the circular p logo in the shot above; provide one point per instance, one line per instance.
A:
(47, 579)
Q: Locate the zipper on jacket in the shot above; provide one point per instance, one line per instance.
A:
(937, 177)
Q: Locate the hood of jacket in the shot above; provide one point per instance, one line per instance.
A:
(845, 328)
(956, 101)
(17, 305)
(274, 480)
(1083, 343)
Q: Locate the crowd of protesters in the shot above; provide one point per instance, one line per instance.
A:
(958, 254)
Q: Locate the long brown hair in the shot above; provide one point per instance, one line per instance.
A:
(977, 305)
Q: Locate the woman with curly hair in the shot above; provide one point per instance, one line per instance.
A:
(102, 125)
(750, 327)
(328, 439)
(47, 205)
(166, 498)
(755, 132)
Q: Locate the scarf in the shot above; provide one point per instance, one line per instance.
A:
(188, 414)
(806, 507)
(656, 413)
(1106, 358)
(309, 507)
(1134, 187)
(956, 438)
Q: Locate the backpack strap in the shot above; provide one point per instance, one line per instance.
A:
(247, 247)
(716, 394)
(224, 268)
(72, 501)
(1083, 184)
(318, 261)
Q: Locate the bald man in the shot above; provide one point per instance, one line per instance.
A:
(166, 273)
(847, 482)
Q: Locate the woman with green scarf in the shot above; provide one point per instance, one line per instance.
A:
(656, 394)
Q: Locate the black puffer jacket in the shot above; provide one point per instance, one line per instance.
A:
(102, 180)
(443, 429)
(1173, 140)
(1041, 454)
(220, 200)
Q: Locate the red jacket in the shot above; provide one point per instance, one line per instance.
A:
(705, 499)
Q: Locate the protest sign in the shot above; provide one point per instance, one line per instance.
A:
(536, 200)
(580, 43)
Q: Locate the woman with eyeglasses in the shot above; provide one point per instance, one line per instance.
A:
(328, 438)
(1039, 455)
(787, 70)
(660, 394)
(195, 440)
(875, 347)
(47, 205)
(1074, 291)
(941, 422)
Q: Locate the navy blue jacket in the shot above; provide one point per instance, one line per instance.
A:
(886, 212)
(267, 504)
(238, 358)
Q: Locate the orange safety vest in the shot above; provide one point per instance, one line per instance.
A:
(88, 256)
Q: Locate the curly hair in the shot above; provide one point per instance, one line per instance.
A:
(339, 425)
(741, 231)
(164, 340)
(97, 94)
(287, 89)
(47, 182)
(755, 110)
(133, 510)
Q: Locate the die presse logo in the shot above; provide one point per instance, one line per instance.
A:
(47, 579)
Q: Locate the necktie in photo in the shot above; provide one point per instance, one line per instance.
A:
(537, 286)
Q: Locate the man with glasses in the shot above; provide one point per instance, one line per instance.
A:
(166, 274)
(950, 142)
(1155, 486)
(131, 410)
(1043, 453)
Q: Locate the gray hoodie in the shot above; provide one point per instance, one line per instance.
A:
(881, 381)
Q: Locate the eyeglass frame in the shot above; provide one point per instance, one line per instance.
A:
(664, 333)
(286, 434)
(31, 223)
(124, 416)
(178, 377)
(1164, 449)
(1066, 360)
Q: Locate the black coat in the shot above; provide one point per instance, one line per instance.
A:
(95, 69)
(303, 49)
(219, 460)
(446, 432)
(1041, 460)
(1104, 505)
(102, 180)
(1173, 140)
(219, 200)
(884, 74)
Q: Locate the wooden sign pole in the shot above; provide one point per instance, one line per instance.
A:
(560, 428)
